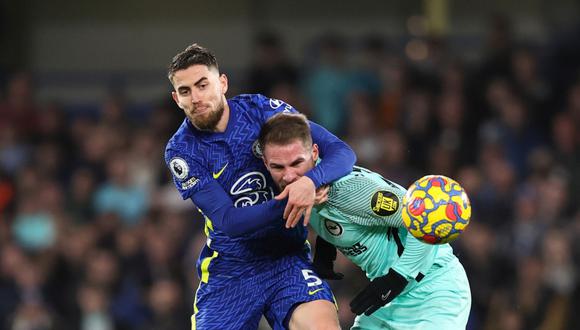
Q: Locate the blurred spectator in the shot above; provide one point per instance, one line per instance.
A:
(94, 307)
(271, 70)
(7, 198)
(80, 192)
(531, 86)
(18, 108)
(143, 169)
(13, 151)
(363, 133)
(367, 75)
(103, 270)
(566, 146)
(452, 131)
(394, 154)
(167, 307)
(33, 315)
(34, 228)
(120, 195)
(327, 84)
(417, 124)
(394, 84)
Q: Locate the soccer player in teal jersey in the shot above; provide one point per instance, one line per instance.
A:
(413, 285)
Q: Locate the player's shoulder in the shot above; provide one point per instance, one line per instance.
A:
(259, 104)
(247, 102)
(365, 194)
(182, 140)
(362, 182)
(359, 174)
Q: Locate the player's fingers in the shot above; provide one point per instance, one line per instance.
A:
(356, 309)
(322, 190)
(321, 195)
(289, 206)
(307, 215)
(287, 211)
(355, 304)
(291, 219)
(359, 304)
(299, 214)
(282, 195)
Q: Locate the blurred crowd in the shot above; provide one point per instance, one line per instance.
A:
(93, 234)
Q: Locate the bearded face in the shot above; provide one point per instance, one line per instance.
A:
(200, 93)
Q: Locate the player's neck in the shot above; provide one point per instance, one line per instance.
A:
(223, 123)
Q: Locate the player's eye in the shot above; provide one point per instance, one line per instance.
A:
(297, 163)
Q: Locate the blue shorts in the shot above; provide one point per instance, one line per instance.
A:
(235, 295)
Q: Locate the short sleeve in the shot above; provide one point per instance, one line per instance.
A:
(367, 199)
(189, 176)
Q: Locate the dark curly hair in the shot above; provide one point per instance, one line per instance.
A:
(192, 55)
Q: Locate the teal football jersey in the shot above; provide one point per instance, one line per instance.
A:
(363, 219)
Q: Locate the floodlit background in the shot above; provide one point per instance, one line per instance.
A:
(93, 234)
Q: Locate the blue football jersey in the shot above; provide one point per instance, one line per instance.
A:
(233, 159)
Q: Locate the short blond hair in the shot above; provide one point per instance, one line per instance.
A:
(284, 128)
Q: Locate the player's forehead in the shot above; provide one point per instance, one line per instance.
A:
(193, 74)
(287, 152)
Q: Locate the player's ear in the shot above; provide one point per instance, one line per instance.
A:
(224, 83)
(174, 96)
(264, 158)
(314, 152)
(265, 163)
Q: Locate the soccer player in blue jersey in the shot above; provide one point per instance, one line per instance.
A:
(413, 285)
(254, 263)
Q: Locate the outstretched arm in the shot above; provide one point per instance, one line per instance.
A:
(217, 206)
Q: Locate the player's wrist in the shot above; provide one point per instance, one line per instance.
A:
(309, 181)
(310, 175)
(393, 280)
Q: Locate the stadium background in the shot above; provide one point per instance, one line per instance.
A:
(93, 234)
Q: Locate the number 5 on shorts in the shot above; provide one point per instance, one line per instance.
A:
(310, 275)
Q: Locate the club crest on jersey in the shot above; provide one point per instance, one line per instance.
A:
(384, 203)
(251, 189)
(275, 104)
(179, 168)
(257, 149)
(333, 227)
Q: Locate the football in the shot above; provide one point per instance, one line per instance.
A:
(436, 209)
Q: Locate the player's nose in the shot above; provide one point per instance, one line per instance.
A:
(289, 176)
(195, 98)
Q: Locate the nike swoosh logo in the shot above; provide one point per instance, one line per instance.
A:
(314, 291)
(217, 175)
(385, 296)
